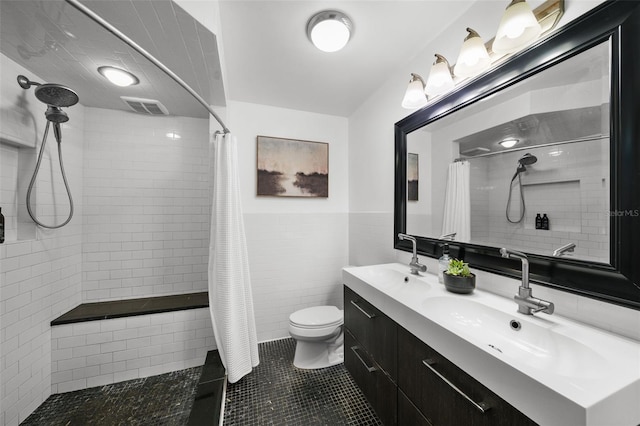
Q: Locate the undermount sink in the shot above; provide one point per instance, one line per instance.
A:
(534, 342)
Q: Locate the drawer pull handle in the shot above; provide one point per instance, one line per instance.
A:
(367, 314)
(481, 406)
(355, 351)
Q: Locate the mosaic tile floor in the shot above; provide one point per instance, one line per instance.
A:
(277, 393)
(159, 400)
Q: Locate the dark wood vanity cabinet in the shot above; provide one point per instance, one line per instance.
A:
(375, 331)
(407, 382)
(370, 354)
(444, 393)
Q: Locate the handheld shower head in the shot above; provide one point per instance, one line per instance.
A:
(528, 159)
(56, 115)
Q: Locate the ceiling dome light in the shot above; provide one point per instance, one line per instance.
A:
(440, 80)
(518, 27)
(329, 30)
(508, 143)
(118, 76)
(414, 97)
(473, 57)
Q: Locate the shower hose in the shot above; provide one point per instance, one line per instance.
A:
(522, 210)
(33, 180)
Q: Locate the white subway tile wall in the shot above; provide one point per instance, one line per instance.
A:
(371, 238)
(570, 183)
(296, 261)
(146, 206)
(97, 353)
(40, 278)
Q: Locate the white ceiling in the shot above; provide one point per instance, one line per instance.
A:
(59, 44)
(269, 59)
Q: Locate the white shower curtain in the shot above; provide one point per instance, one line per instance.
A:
(230, 299)
(457, 204)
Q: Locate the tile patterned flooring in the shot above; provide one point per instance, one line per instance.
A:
(158, 400)
(275, 393)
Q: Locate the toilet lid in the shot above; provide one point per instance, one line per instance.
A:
(316, 317)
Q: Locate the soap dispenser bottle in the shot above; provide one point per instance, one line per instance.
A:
(545, 222)
(538, 221)
(443, 262)
(1, 227)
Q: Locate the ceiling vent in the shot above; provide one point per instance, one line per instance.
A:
(145, 106)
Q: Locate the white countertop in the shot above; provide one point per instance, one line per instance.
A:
(557, 371)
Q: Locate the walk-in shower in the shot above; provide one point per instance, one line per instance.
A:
(524, 161)
(56, 97)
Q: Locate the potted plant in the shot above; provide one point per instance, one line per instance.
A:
(458, 278)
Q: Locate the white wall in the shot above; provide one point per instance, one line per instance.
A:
(146, 199)
(40, 276)
(297, 246)
(371, 180)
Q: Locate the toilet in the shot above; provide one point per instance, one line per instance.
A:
(319, 337)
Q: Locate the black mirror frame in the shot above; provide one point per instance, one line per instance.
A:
(619, 282)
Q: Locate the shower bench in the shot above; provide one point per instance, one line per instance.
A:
(101, 343)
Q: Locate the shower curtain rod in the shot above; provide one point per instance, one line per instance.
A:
(113, 30)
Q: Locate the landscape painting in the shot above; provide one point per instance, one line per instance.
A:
(412, 177)
(292, 168)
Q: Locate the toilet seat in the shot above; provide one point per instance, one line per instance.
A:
(317, 317)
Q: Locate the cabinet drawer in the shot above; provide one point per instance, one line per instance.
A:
(376, 386)
(377, 333)
(444, 393)
(408, 414)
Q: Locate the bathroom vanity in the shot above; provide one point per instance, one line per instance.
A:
(423, 356)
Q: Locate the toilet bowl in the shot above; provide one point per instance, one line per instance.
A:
(319, 337)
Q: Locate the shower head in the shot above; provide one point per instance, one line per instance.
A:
(52, 94)
(56, 95)
(527, 159)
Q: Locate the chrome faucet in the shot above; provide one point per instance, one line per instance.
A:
(527, 304)
(415, 265)
(567, 248)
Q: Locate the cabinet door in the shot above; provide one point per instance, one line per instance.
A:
(376, 332)
(376, 386)
(444, 393)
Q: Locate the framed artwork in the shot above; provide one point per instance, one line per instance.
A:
(412, 177)
(292, 168)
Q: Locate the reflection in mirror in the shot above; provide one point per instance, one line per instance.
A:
(548, 190)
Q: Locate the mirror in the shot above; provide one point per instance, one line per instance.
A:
(557, 172)
(571, 103)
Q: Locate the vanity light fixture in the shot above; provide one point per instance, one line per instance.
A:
(473, 57)
(415, 97)
(440, 80)
(509, 143)
(118, 76)
(329, 30)
(518, 27)
(173, 135)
